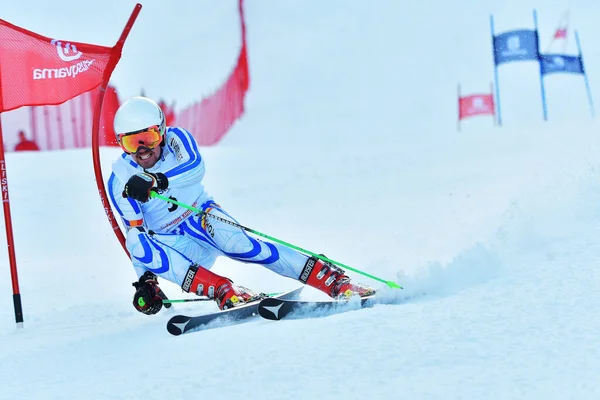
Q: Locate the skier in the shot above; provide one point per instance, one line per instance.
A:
(176, 244)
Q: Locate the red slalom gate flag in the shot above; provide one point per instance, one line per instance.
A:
(561, 33)
(36, 70)
(476, 104)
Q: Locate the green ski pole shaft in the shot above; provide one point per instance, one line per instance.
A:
(185, 300)
(204, 299)
(391, 284)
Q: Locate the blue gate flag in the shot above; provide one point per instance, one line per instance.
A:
(554, 63)
(568, 64)
(518, 45)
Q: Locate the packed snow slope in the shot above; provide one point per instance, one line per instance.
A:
(349, 148)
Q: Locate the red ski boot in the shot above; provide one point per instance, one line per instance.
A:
(332, 280)
(206, 283)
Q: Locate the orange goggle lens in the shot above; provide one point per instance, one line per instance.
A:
(131, 142)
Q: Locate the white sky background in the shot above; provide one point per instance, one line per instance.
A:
(348, 147)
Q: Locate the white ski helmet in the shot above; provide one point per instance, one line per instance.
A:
(138, 114)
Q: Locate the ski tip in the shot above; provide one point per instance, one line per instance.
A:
(270, 308)
(177, 324)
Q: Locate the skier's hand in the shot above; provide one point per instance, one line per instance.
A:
(138, 187)
(146, 299)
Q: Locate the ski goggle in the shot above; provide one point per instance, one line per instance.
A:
(148, 138)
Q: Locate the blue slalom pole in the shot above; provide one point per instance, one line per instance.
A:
(543, 88)
(585, 77)
(496, 82)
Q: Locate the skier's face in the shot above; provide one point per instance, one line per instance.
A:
(146, 158)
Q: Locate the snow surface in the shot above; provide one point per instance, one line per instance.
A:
(348, 147)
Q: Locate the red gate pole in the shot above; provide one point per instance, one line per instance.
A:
(10, 242)
(116, 54)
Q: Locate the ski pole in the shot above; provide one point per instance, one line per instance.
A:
(391, 284)
(166, 301)
(185, 300)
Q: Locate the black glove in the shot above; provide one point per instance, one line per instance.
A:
(146, 298)
(138, 187)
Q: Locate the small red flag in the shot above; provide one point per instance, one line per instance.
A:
(477, 104)
(560, 33)
(36, 70)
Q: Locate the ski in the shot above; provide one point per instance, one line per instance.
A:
(278, 308)
(180, 324)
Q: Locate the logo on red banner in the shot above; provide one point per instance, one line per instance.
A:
(63, 53)
(66, 54)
